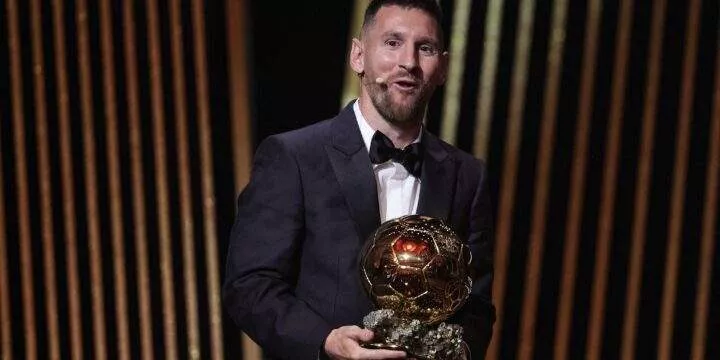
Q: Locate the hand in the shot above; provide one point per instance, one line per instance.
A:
(343, 343)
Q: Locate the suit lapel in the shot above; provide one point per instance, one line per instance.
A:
(437, 179)
(351, 165)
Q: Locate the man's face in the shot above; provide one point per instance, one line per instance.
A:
(403, 48)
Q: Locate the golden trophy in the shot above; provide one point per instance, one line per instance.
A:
(416, 271)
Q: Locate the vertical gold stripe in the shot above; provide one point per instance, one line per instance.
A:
(453, 87)
(251, 350)
(158, 116)
(351, 82)
(510, 167)
(486, 95)
(113, 151)
(575, 203)
(51, 308)
(643, 184)
(682, 148)
(138, 181)
(21, 178)
(208, 190)
(533, 275)
(186, 219)
(68, 191)
(5, 311)
(240, 94)
(240, 110)
(607, 202)
(577, 183)
(709, 236)
(93, 211)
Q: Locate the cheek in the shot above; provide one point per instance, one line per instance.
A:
(382, 60)
(385, 62)
(432, 72)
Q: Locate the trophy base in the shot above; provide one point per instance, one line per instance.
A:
(384, 346)
(419, 341)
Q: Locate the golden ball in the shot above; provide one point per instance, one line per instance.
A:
(418, 267)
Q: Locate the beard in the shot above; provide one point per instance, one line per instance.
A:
(394, 112)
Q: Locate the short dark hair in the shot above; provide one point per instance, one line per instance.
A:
(431, 7)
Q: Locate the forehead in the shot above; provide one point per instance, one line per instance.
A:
(410, 21)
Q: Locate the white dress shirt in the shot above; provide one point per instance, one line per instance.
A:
(398, 190)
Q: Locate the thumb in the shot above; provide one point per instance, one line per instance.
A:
(366, 335)
(360, 334)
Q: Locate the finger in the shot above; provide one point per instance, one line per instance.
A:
(380, 354)
(359, 334)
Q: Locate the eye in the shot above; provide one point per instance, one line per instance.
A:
(428, 49)
(392, 42)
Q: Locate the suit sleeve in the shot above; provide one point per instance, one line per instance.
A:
(478, 314)
(263, 256)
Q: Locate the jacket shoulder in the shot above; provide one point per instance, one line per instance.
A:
(304, 139)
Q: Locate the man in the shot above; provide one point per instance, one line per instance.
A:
(317, 193)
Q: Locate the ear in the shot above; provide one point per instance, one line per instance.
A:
(356, 56)
(444, 63)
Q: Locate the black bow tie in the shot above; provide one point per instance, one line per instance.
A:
(382, 150)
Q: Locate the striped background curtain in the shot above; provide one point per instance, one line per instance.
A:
(116, 141)
(125, 134)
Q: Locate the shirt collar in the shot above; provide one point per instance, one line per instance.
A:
(367, 131)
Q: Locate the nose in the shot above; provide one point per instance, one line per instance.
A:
(409, 59)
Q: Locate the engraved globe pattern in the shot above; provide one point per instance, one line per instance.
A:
(418, 267)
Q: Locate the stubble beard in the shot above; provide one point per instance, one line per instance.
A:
(395, 113)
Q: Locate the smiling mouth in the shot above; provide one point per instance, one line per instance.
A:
(408, 86)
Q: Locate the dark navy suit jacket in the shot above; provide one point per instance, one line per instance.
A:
(292, 269)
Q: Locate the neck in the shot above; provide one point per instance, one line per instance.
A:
(401, 135)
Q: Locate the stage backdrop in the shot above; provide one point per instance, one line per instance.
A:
(127, 130)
